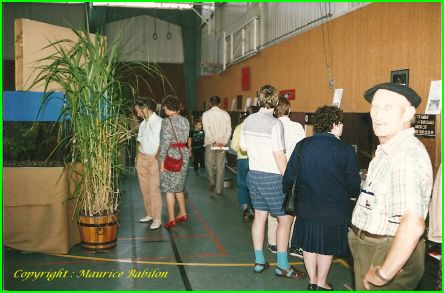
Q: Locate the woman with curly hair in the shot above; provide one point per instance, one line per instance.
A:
(173, 142)
(328, 176)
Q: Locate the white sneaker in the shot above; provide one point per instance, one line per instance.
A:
(145, 219)
(155, 225)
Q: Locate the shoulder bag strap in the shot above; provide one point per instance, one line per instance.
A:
(298, 163)
(174, 131)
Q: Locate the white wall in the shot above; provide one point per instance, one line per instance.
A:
(278, 21)
(140, 45)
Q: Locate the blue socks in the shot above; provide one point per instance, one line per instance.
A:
(259, 258)
(282, 260)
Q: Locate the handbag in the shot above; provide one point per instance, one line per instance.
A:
(172, 164)
(291, 197)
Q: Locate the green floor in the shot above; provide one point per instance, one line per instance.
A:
(213, 251)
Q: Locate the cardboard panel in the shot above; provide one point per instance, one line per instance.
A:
(31, 38)
(37, 215)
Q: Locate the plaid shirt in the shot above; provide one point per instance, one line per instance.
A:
(399, 179)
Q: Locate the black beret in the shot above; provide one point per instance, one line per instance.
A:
(403, 90)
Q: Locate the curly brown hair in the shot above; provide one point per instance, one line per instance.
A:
(325, 117)
(172, 103)
(268, 96)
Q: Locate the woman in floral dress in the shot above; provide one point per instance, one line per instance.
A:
(173, 183)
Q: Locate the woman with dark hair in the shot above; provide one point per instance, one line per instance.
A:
(328, 176)
(173, 142)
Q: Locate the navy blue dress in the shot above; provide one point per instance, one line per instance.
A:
(329, 176)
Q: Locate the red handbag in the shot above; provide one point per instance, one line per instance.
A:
(172, 164)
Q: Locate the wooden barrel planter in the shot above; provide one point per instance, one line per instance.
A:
(98, 233)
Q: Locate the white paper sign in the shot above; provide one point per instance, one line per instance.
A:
(435, 98)
(337, 97)
(255, 101)
(247, 103)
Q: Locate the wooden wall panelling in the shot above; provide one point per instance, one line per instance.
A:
(156, 88)
(364, 47)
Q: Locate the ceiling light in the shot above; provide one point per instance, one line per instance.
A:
(158, 5)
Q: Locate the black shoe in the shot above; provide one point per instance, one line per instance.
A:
(312, 287)
(298, 252)
(326, 289)
(272, 248)
(246, 215)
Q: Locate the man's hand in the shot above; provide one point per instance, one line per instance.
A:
(162, 169)
(371, 278)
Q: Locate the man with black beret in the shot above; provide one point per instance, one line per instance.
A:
(388, 220)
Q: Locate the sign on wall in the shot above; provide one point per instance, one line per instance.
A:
(289, 94)
(425, 125)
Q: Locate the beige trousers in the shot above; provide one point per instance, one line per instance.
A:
(272, 228)
(147, 168)
(215, 165)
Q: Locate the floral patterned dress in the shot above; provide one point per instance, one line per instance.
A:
(174, 181)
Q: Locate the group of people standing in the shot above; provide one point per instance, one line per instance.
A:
(383, 229)
(158, 138)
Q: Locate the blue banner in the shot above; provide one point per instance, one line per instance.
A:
(25, 106)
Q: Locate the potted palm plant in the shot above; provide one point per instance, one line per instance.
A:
(96, 92)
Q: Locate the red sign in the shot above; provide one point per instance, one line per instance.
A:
(245, 78)
(289, 94)
(225, 103)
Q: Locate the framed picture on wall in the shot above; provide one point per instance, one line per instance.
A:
(400, 76)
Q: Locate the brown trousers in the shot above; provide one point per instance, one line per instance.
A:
(147, 168)
(371, 252)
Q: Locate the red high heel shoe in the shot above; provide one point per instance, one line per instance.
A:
(183, 218)
(170, 224)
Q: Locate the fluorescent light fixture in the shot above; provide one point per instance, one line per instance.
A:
(158, 5)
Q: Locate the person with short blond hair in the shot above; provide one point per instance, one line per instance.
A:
(262, 136)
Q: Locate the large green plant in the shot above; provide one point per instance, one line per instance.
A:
(96, 92)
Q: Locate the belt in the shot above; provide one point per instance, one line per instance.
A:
(178, 145)
(362, 234)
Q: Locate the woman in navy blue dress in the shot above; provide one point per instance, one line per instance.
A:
(328, 177)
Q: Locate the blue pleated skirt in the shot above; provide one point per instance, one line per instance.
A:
(321, 238)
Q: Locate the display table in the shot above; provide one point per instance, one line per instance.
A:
(37, 215)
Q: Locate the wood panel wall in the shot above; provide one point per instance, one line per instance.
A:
(172, 84)
(363, 47)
